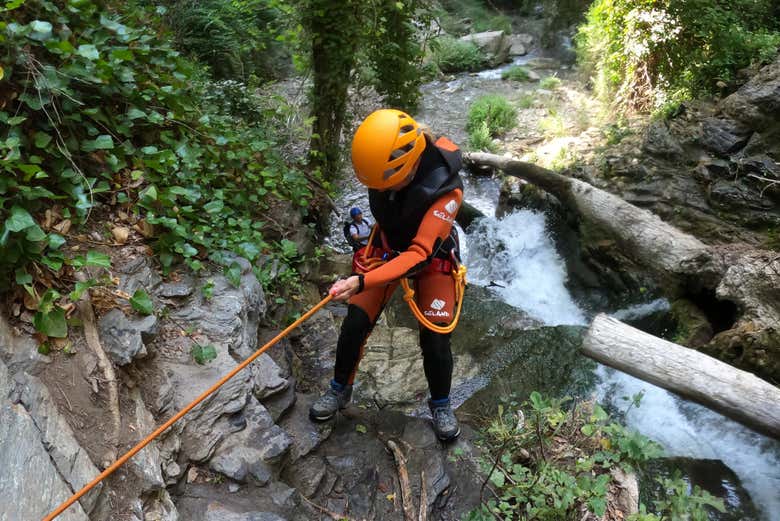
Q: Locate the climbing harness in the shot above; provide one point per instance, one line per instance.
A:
(363, 262)
(143, 443)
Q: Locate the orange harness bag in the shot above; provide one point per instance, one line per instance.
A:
(369, 258)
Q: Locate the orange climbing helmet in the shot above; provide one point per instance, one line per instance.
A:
(385, 148)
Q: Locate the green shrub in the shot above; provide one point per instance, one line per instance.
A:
(495, 112)
(453, 55)
(480, 138)
(235, 39)
(528, 462)
(642, 54)
(99, 109)
(516, 73)
(550, 83)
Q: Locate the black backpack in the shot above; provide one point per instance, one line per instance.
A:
(348, 235)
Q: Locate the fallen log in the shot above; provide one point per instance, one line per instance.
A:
(693, 375)
(653, 243)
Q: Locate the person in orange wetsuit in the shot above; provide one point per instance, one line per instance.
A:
(415, 192)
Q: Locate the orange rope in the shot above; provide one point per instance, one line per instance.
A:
(129, 454)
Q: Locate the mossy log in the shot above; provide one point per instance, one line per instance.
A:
(693, 375)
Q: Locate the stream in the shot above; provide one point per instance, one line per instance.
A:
(518, 258)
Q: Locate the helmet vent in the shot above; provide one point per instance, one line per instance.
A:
(398, 152)
(387, 174)
(404, 129)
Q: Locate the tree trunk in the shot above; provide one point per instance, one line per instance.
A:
(735, 393)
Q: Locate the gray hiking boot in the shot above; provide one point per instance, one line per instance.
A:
(329, 403)
(445, 424)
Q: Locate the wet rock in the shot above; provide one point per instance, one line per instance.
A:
(519, 44)
(723, 136)
(544, 63)
(123, 338)
(660, 142)
(757, 103)
(315, 342)
(30, 482)
(494, 44)
(72, 462)
(306, 474)
(159, 507)
(138, 273)
(147, 464)
(280, 403)
(251, 451)
(179, 288)
(711, 475)
(218, 512)
(693, 328)
(305, 434)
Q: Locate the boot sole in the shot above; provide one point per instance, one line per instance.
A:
(320, 418)
(449, 438)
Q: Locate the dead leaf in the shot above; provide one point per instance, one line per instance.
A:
(30, 302)
(63, 227)
(144, 228)
(121, 233)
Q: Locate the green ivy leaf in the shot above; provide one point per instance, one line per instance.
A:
(51, 324)
(203, 354)
(15, 121)
(141, 302)
(20, 219)
(233, 274)
(80, 288)
(102, 142)
(55, 241)
(22, 277)
(88, 51)
(597, 505)
(361, 428)
(42, 139)
(96, 258)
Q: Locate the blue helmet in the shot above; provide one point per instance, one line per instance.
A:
(354, 211)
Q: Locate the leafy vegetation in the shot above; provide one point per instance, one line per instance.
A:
(453, 55)
(395, 52)
(98, 110)
(236, 39)
(645, 54)
(516, 73)
(464, 16)
(552, 462)
(490, 116)
(550, 83)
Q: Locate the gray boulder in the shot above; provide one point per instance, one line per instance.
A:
(123, 338)
(519, 44)
(494, 44)
(757, 103)
(30, 483)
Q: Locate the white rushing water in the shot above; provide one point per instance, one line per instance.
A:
(516, 252)
(517, 255)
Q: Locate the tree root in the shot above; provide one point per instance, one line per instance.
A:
(109, 376)
(403, 478)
